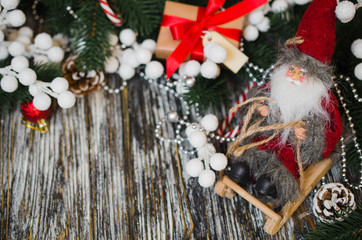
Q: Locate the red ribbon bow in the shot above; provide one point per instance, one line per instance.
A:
(191, 31)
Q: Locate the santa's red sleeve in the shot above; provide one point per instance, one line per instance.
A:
(333, 129)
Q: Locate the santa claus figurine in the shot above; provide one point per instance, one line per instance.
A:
(300, 87)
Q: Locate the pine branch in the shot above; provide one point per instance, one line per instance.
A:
(91, 36)
(349, 228)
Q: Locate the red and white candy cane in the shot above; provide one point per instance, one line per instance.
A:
(225, 124)
(110, 14)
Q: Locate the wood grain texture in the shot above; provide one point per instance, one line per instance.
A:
(99, 173)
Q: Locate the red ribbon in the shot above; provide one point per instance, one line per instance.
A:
(190, 31)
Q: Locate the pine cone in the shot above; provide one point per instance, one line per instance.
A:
(81, 83)
(330, 199)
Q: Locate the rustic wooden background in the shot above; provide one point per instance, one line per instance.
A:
(99, 173)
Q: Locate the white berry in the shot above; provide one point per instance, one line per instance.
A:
(9, 83)
(264, 25)
(19, 63)
(55, 54)
(2, 36)
(9, 4)
(255, 17)
(26, 31)
(127, 36)
(59, 84)
(216, 53)
(154, 69)
(3, 52)
(43, 41)
(192, 128)
(111, 65)
(34, 90)
(210, 122)
(27, 76)
(66, 99)
(345, 11)
(206, 150)
(207, 178)
(302, 2)
(356, 48)
(24, 40)
(143, 55)
(218, 161)
(250, 33)
(16, 49)
(209, 46)
(126, 72)
(192, 68)
(129, 57)
(210, 70)
(16, 18)
(149, 44)
(197, 139)
(181, 69)
(358, 71)
(279, 6)
(194, 167)
(42, 101)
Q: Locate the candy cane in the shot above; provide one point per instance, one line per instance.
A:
(110, 14)
(224, 125)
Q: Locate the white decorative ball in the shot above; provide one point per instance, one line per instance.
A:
(192, 128)
(59, 84)
(302, 2)
(279, 6)
(356, 48)
(255, 17)
(129, 57)
(9, 4)
(206, 150)
(154, 69)
(192, 68)
(194, 167)
(210, 70)
(26, 31)
(34, 90)
(113, 39)
(16, 49)
(143, 55)
(55, 54)
(207, 178)
(217, 53)
(264, 25)
(42, 101)
(111, 65)
(126, 72)
(9, 83)
(218, 161)
(16, 18)
(19, 63)
(43, 41)
(181, 69)
(358, 71)
(2, 36)
(209, 46)
(250, 33)
(24, 40)
(27, 76)
(197, 139)
(40, 59)
(149, 44)
(210, 122)
(345, 11)
(66, 99)
(127, 36)
(3, 52)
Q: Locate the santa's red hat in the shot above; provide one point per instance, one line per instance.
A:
(317, 29)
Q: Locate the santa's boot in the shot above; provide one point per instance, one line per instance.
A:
(239, 172)
(265, 187)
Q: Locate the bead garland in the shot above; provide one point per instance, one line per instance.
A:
(344, 160)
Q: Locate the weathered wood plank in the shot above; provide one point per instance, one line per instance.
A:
(99, 173)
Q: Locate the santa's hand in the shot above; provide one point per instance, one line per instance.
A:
(300, 133)
(263, 110)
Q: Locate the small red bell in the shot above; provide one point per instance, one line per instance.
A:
(34, 118)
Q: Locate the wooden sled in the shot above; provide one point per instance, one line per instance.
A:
(225, 187)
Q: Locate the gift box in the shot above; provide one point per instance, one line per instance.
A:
(166, 43)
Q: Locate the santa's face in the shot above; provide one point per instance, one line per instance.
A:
(296, 75)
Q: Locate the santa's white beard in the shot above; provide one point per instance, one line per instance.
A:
(297, 102)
